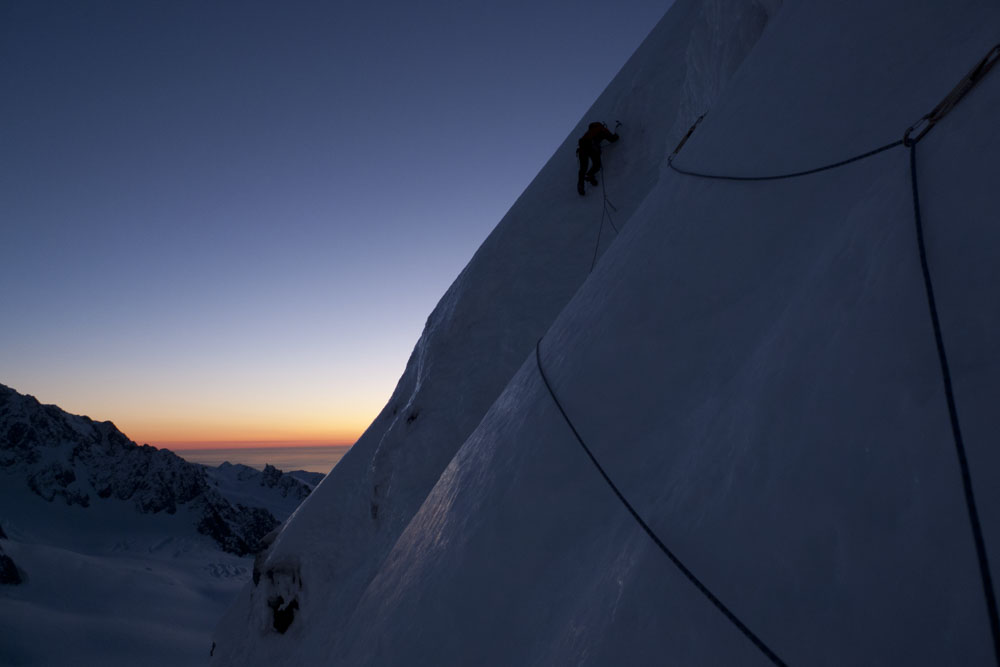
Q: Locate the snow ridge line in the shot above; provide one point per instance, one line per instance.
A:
(747, 632)
(949, 393)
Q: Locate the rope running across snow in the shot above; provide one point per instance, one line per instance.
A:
(956, 430)
(605, 213)
(911, 137)
(649, 531)
(778, 177)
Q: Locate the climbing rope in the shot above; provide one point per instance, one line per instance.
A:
(921, 128)
(975, 75)
(778, 177)
(649, 531)
(607, 203)
(687, 135)
(956, 430)
(911, 137)
(597, 245)
(605, 213)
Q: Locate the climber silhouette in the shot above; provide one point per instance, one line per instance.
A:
(589, 151)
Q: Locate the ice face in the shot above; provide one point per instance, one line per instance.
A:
(753, 364)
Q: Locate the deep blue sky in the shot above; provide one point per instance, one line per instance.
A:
(229, 221)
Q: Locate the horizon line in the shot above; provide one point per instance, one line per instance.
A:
(187, 445)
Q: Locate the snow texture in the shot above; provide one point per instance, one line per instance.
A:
(752, 363)
(127, 554)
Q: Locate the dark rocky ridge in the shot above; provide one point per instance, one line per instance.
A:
(9, 573)
(295, 484)
(79, 461)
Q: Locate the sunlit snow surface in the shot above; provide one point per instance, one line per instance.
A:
(753, 363)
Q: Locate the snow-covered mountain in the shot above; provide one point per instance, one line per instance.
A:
(276, 491)
(79, 461)
(129, 553)
(754, 366)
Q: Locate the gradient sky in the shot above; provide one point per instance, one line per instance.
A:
(226, 222)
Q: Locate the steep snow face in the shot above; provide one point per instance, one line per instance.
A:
(752, 362)
(486, 323)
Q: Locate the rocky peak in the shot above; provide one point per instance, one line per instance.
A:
(80, 461)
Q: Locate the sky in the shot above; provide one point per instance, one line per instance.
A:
(225, 223)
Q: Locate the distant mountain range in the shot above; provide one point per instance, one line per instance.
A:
(128, 553)
(77, 461)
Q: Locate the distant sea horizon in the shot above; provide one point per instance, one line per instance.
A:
(313, 458)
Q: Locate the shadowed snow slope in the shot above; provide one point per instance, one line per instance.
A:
(752, 363)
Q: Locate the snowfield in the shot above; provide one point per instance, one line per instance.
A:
(116, 554)
(752, 363)
(106, 585)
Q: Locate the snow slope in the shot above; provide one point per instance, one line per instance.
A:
(106, 585)
(752, 362)
(490, 318)
(116, 554)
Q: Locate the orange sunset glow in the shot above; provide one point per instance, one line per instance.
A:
(259, 429)
(176, 416)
